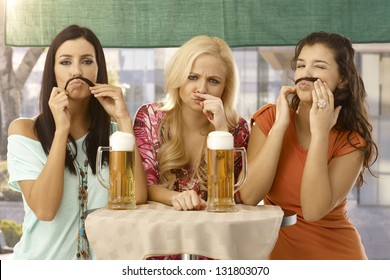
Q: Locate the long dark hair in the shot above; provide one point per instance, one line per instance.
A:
(99, 131)
(354, 114)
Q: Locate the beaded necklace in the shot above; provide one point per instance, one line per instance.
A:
(83, 251)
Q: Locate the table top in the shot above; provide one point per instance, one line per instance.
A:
(156, 229)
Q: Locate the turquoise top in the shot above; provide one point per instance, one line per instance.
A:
(56, 239)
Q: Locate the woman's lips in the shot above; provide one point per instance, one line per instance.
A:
(88, 82)
(305, 83)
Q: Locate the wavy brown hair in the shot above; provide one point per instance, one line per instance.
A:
(354, 114)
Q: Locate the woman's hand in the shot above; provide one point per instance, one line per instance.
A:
(112, 100)
(282, 107)
(188, 200)
(213, 110)
(59, 106)
(322, 119)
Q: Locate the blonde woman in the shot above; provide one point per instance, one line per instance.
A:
(201, 90)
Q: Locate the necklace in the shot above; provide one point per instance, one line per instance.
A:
(83, 251)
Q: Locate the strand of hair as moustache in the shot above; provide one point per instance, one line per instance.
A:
(80, 78)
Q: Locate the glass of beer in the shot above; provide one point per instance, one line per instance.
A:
(220, 171)
(121, 184)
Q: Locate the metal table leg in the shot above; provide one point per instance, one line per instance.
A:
(189, 257)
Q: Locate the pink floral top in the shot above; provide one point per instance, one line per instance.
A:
(146, 124)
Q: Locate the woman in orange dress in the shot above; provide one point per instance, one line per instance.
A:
(316, 142)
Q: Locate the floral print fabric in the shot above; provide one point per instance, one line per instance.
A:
(146, 125)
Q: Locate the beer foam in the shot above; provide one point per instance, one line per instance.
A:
(220, 140)
(122, 141)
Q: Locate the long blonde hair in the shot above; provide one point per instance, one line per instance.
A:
(172, 154)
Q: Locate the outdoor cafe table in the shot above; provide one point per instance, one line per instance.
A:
(154, 229)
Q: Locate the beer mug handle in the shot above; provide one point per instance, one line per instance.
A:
(242, 180)
(99, 163)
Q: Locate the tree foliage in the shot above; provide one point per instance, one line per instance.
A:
(12, 83)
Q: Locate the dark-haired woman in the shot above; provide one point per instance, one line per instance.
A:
(306, 153)
(51, 158)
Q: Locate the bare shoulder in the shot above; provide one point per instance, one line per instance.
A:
(24, 127)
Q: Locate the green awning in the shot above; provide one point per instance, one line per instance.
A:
(168, 23)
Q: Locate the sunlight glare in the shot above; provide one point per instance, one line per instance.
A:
(11, 4)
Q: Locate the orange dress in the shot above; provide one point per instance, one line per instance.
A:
(332, 237)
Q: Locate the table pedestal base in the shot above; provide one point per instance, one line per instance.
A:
(189, 257)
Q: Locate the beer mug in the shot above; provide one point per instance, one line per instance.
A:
(220, 171)
(121, 185)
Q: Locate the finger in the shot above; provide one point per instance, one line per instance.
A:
(195, 201)
(205, 96)
(59, 101)
(178, 201)
(57, 91)
(188, 201)
(62, 95)
(216, 102)
(209, 114)
(100, 86)
(182, 203)
(63, 104)
(213, 106)
(176, 205)
(287, 90)
(318, 89)
(322, 91)
(53, 93)
(329, 95)
(105, 88)
(202, 205)
(315, 99)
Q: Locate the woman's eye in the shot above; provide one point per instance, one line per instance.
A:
(300, 66)
(214, 81)
(87, 61)
(65, 62)
(192, 77)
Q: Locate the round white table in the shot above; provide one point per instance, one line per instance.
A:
(155, 229)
